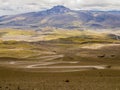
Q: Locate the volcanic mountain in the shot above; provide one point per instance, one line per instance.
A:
(63, 17)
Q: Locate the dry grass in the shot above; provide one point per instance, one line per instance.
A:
(28, 79)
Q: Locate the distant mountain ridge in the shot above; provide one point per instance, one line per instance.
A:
(62, 17)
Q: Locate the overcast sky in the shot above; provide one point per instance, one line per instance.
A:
(8, 7)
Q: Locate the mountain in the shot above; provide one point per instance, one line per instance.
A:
(62, 17)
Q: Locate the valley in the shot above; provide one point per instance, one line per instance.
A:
(60, 49)
(47, 65)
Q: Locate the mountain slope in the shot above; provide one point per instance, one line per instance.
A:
(62, 17)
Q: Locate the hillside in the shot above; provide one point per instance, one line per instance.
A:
(62, 17)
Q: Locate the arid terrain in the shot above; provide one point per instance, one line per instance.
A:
(73, 60)
(59, 45)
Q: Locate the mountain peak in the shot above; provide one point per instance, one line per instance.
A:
(59, 9)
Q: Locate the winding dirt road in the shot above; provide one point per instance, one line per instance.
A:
(51, 63)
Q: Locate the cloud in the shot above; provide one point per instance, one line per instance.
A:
(22, 6)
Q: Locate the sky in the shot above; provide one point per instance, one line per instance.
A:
(9, 7)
